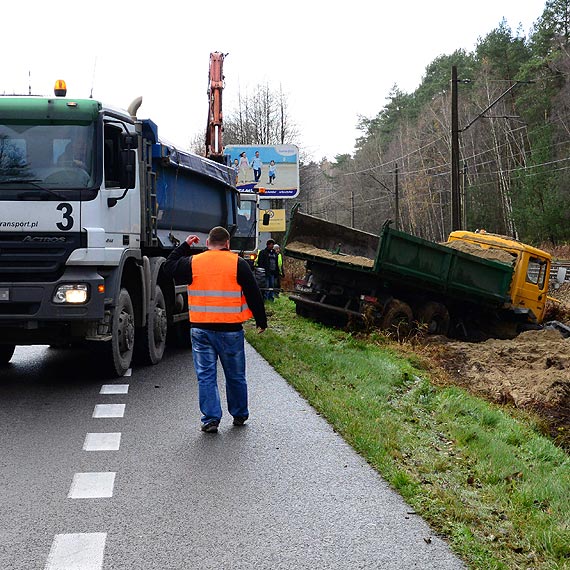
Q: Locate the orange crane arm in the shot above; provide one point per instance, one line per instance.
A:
(214, 142)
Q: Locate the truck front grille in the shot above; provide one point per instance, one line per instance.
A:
(35, 257)
(19, 308)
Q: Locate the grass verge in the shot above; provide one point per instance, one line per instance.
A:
(490, 483)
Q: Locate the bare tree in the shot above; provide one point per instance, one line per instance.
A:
(261, 117)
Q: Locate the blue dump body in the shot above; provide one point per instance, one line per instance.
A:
(193, 193)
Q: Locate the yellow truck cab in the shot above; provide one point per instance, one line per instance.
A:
(529, 286)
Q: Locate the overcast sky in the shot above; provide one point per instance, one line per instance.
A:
(335, 61)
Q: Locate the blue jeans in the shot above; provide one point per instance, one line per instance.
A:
(207, 347)
(270, 283)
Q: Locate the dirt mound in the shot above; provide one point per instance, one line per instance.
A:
(485, 253)
(530, 372)
(562, 294)
(305, 248)
(533, 368)
(559, 308)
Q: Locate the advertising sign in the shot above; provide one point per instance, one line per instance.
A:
(271, 170)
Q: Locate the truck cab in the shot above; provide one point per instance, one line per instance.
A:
(529, 285)
(83, 232)
(68, 219)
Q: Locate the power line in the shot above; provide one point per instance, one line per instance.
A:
(393, 160)
(490, 182)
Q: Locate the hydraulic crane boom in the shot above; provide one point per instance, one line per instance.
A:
(214, 145)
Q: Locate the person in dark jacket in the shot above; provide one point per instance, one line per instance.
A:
(280, 271)
(222, 294)
(267, 260)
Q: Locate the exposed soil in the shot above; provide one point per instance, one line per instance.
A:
(530, 372)
(473, 249)
(300, 247)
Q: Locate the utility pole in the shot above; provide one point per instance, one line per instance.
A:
(397, 198)
(464, 197)
(351, 209)
(455, 193)
(458, 214)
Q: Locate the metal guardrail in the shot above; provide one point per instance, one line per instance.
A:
(560, 270)
(559, 273)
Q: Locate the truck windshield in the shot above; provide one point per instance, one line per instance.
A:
(244, 238)
(40, 157)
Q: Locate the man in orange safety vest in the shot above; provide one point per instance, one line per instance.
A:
(222, 294)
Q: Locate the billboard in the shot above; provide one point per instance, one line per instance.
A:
(271, 170)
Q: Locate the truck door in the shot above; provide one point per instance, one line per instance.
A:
(532, 291)
(118, 208)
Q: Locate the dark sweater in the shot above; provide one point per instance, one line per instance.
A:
(179, 267)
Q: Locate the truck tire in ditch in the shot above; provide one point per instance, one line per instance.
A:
(435, 317)
(119, 350)
(302, 310)
(6, 353)
(151, 339)
(397, 317)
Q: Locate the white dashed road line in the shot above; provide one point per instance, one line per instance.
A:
(92, 485)
(81, 551)
(102, 442)
(109, 411)
(114, 389)
(85, 551)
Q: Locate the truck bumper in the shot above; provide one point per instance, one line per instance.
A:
(29, 315)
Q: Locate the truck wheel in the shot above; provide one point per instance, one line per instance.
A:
(435, 317)
(120, 349)
(6, 353)
(302, 310)
(151, 340)
(397, 317)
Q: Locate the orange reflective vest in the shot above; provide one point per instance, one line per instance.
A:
(215, 296)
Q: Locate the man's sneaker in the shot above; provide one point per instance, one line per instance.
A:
(240, 420)
(210, 427)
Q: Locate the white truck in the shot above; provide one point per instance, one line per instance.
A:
(91, 203)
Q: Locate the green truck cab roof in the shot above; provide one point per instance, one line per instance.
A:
(53, 110)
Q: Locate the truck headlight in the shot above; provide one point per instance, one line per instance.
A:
(74, 294)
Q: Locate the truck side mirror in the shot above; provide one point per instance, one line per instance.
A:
(129, 141)
(266, 219)
(128, 169)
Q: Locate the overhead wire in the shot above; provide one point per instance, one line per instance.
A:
(393, 160)
(402, 157)
(429, 169)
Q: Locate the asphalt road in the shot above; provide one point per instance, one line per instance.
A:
(147, 490)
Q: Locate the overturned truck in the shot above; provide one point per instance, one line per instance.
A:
(475, 286)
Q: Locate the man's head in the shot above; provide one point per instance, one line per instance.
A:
(270, 243)
(257, 153)
(218, 238)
